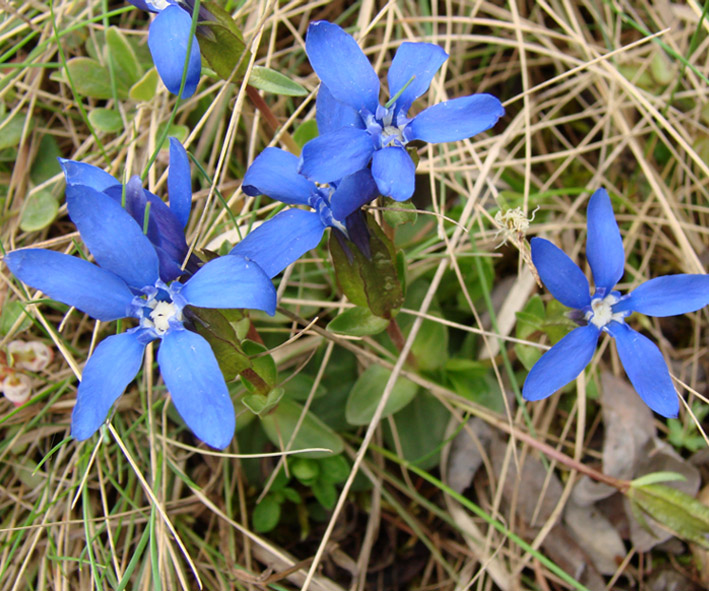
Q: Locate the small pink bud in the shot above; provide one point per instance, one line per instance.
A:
(16, 387)
(33, 356)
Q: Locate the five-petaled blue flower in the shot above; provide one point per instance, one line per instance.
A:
(166, 225)
(168, 39)
(355, 128)
(278, 242)
(126, 283)
(606, 311)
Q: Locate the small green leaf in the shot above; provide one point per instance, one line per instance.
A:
(334, 469)
(274, 82)
(266, 514)
(221, 43)
(40, 210)
(92, 79)
(655, 477)
(9, 314)
(280, 424)
(305, 132)
(325, 492)
(398, 212)
(262, 365)
(126, 68)
(357, 322)
(367, 392)
(298, 387)
(106, 120)
(292, 495)
(45, 164)
(12, 131)
(179, 132)
(674, 510)
(305, 470)
(144, 89)
(260, 404)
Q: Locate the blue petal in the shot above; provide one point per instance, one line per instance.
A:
(335, 155)
(282, 240)
(562, 363)
(646, 369)
(419, 61)
(352, 193)
(456, 119)
(394, 172)
(72, 281)
(197, 387)
(332, 114)
(668, 296)
(274, 173)
(179, 182)
(142, 5)
(561, 276)
(110, 369)
(342, 66)
(113, 236)
(231, 282)
(168, 38)
(604, 246)
(79, 173)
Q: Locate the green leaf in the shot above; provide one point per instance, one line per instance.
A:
(305, 470)
(655, 477)
(325, 492)
(280, 424)
(92, 79)
(260, 404)
(357, 322)
(12, 131)
(9, 315)
(298, 387)
(274, 82)
(334, 469)
(398, 212)
(367, 392)
(180, 132)
(292, 495)
(421, 428)
(430, 347)
(144, 89)
(266, 514)
(45, 164)
(305, 132)
(40, 210)
(674, 510)
(262, 365)
(126, 68)
(106, 120)
(221, 43)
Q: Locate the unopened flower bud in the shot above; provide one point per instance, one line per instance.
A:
(16, 387)
(33, 356)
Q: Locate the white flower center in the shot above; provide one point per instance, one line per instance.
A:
(161, 315)
(157, 4)
(601, 312)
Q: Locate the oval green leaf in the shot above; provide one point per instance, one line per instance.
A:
(40, 211)
(106, 120)
(357, 322)
(367, 392)
(274, 82)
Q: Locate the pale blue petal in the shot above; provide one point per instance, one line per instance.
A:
(342, 66)
(335, 155)
(113, 236)
(352, 193)
(168, 39)
(72, 281)
(604, 246)
(108, 371)
(394, 172)
(274, 173)
(668, 296)
(646, 368)
(417, 61)
(282, 240)
(456, 119)
(179, 182)
(231, 282)
(197, 386)
(332, 114)
(561, 276)
(562, 363)
(79, 173)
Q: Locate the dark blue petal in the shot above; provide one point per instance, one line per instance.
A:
(231, 282)
(342, 66)
(282, 240)
(668, 296)
(456, 119)
(331, 114)
(142, 5)
(646, 369)
(561, 276)
(113, 236)
(168, 38)
(394, 172)
(335, 155)
(79, 173)
(419, 61)
(109, 370)
(274, 173)
(353, 192)
(604, 246)
(562, 363)
(179, 182)
(197, 387)
(72, 281)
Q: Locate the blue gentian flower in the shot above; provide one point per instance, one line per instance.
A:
(168, 38)
(606, 310)
(278, 242)
(126, 284)
(166, 224)
(355, 128)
